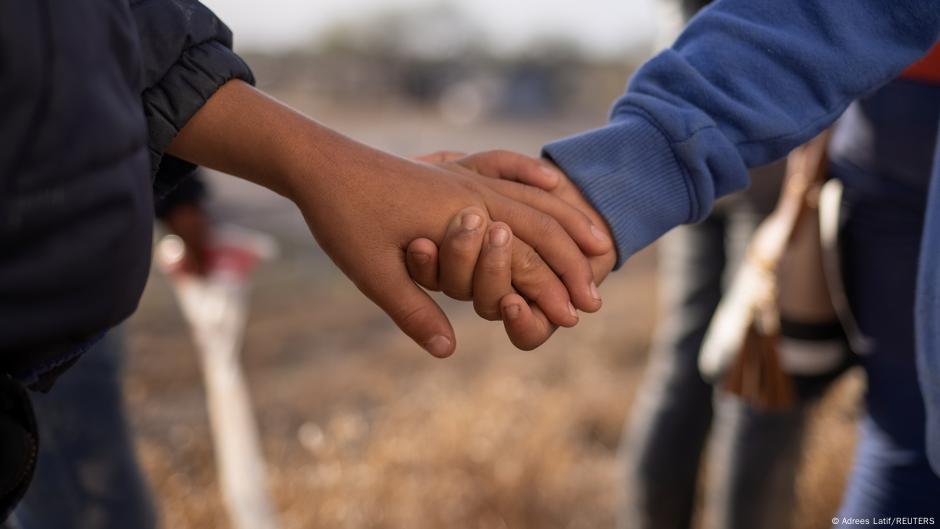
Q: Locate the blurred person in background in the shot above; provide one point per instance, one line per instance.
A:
(744, 84)
(883, 150)
(87, 459)
(753, 454)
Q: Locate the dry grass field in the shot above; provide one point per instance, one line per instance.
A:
(361, 429)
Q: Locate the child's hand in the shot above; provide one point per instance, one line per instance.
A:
(530, 274)
(365, 219)
(497, 280)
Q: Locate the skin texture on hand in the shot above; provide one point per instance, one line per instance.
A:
(364, 206)
(496, 289)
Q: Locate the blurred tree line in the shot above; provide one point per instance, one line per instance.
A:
(433, 56)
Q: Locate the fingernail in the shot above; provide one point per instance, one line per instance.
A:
(471, 221)
(513, 311)
(599, 234)
(499, 237)
(421, 258)
(572, 310)
(438, 346)
(552, 173)
(594, 293)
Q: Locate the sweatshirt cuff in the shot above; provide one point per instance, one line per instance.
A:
(175, 99)
(629, 173)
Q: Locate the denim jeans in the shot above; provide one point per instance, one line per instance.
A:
(883, 151)
(881, 243)
(753, 455)
(87, 476)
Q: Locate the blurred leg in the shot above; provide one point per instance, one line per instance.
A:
(753, 459)
(87, 476)
(670, 418)
(753, 455)
(891, 476)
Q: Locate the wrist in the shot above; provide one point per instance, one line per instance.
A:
(316, 160)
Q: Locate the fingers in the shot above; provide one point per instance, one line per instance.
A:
(527, 326)
(421, 259)
(502, 263)
(590, 238)
(550, 241)
(535, 280)
(459, 251)
(510, 165)
(538, 176)
(485, 269)
(492, 279)
(415, 313)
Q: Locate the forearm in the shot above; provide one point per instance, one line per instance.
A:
(243, 132)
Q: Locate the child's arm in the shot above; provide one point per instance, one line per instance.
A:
(364, 206)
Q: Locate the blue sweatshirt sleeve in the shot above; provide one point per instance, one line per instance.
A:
(746, 82)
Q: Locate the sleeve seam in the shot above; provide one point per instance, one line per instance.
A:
(683, 171)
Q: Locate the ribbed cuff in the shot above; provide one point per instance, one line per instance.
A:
(628, 171)
(176, 98)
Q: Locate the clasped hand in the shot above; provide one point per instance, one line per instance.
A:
(508, 232)
(504, 276)
(515, 250)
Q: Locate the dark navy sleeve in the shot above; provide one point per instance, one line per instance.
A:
(186, 54)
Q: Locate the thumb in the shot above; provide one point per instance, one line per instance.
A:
(413, 310)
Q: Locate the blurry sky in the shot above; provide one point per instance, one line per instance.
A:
(602, 27)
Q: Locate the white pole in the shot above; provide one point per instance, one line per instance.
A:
(216, 307)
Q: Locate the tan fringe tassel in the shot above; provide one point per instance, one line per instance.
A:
(756, 375)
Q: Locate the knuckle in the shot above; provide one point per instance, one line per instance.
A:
(494, 263)
(471, 184)
(547, 226)
(410, 317)
(490, 267)
(529, 262)
(463, 249)
(535, 194)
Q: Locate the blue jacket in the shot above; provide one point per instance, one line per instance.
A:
(745, 83)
